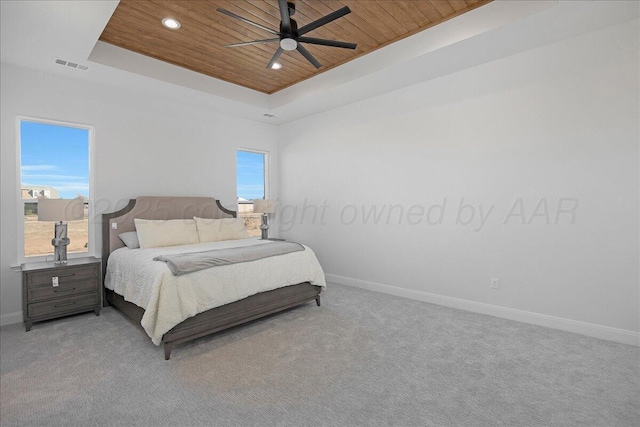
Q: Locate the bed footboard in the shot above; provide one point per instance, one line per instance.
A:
(239, 312)
(226, 316)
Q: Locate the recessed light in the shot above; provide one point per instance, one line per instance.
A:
(276, 66)
(171, 23)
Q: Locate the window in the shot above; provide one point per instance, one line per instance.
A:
(251, 174)
(54, 164)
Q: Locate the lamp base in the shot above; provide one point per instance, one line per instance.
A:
(264, 227)
(60, 243)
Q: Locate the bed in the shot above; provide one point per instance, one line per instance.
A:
(290, 286)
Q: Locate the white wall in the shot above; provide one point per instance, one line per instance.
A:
(144, 145)
(554, 125)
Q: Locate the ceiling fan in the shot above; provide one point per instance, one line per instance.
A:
(290, 36)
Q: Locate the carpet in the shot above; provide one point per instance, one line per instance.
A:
(362, 359)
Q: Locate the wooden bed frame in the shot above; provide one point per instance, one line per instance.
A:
(215, 319)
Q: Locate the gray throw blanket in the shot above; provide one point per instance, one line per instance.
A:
(180, 264)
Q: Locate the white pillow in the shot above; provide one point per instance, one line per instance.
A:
(214, 230)
(170, 232)
(130, 239)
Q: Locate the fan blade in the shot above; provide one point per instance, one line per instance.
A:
(324, 42)
(284, 16)
(275, 57)
(324, 20)
(252, 42)
(308, 55)
(245, 20)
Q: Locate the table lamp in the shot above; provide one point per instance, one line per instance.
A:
(60, 210)
(265, 207)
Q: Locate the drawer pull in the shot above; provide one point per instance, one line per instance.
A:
(64, 305)
(64, 290)
(67, 275)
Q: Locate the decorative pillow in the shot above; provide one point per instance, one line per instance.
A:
(214, 230)
(130, 239)
(170, 232)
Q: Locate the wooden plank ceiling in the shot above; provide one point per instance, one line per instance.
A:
(198, 44)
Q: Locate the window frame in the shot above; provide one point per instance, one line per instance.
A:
(266, 180)
(91, 236)
(266, 169)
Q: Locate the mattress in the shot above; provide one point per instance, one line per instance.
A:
(168, 300)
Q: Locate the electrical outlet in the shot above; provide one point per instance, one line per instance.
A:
(114, 225)
(495, 283)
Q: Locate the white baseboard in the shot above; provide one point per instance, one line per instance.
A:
(590, 329)
(11, 318)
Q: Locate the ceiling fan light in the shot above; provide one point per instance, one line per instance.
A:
(288, 44)
(171, 23)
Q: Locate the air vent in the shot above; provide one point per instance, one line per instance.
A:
(269, 115)
(71, 64)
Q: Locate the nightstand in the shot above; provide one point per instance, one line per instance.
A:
(53, 290)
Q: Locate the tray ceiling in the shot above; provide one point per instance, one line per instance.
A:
(199, 43)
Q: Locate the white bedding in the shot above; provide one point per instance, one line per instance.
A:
(169, 299)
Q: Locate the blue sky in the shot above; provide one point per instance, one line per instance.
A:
(250, 175)
(55, 156)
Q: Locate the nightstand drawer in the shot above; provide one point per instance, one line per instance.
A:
(62, 305)
(40, 293)
(65, 276)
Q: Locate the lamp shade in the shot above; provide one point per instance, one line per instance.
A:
(60, 209)
(264, 206)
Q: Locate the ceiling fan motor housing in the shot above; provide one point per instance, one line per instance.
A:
(294, 29)
(289, 39)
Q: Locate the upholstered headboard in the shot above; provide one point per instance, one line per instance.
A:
(150, 207)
